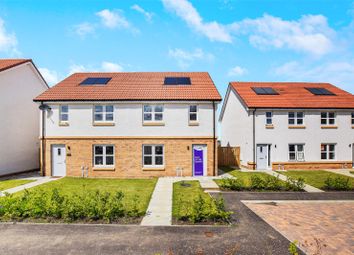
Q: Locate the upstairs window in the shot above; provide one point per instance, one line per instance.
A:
(103, 113)
(153, 113)
(353, 118)
(328, 151)
(269, 118)
(328, 118)
(64, 113)
(296, 152)
(296, 118)
(193, 113)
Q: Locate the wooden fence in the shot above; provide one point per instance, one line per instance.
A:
(229, 156)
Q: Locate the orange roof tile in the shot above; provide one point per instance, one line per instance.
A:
(9, 63)
(133, 86)
(293, 95)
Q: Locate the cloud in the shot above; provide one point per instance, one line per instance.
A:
(111, 67)
(104, 67)
(8, 41)
(115, 19)
(237, 71)
(310, 34)
(337, 72)
(84, 29)
(185, 10)
(50, 76)
(186, 58)
(148, 15)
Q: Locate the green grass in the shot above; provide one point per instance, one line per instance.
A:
(352, 172)
(245, 176)
(142, 188)
(183, 195)
(315, 178)
(8, 184)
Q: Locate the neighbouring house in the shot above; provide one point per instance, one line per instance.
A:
(289, 125)
(138, 124)
(20, 81)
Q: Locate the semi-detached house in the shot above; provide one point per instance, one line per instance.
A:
(137, 124)
(289, 125)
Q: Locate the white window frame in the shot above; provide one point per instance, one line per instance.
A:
(352, 118)
(299, 155)
(296, 119)
(327, 151)
(153, 112)
(196, 113)
(269, 118)
(62, 113)
(104, 155)
(104, 113)
(327, 119)
(153, 156)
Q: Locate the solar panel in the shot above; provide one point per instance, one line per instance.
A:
(177, 81)
(264, 91)
(96, 81)
(320, 92)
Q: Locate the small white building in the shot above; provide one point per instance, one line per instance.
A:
(289, 125)
(20, 81)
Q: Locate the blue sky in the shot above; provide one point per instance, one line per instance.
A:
(234, 40)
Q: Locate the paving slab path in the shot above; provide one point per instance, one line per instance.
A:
(344, 172)
(39, 181)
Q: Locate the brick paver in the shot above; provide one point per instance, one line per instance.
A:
(324, 225)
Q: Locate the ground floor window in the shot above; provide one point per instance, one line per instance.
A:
(103, 155)
(328, 151)
(153, 155)
(296, 152)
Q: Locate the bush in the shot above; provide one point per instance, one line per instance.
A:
(81, 206)
(257, 182)
(204, 210)
(337, 183)
(295, 184)
(232, 184)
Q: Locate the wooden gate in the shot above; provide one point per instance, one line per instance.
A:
(229, 156)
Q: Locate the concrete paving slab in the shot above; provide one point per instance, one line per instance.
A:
(345, 172)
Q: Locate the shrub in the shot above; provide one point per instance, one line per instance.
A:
(203, 210)
(272, 183)
(83, 205)
(257, 182)
(295, 184)
(337, 183)
(232, 184)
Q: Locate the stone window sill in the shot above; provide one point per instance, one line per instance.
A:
(329, 127)
(352, 127)
(193, 123)
(63, 123)
(269, 126)
(153, 168)
(153, 123)
(103, 124)
(297, 127)
(103, 169)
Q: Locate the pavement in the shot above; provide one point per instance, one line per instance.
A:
(345, 172)
(39, 181)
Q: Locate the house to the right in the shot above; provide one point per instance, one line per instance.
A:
(289, 125)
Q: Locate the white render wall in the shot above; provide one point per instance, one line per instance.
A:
(236, 129)
(128, 120)
(19, 125)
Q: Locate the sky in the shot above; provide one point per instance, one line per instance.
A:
(233, 40)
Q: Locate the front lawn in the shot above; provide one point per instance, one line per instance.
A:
(318, 179)
(352, 172)
(248, 181)
(81, 200)
(192, 204)
(8, 184)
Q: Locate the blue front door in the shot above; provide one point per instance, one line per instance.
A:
(198, 160)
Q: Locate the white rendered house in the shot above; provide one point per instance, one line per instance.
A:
(289, 125)
(20, 81)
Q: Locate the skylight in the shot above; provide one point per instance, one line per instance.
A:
(95, 81)
(320, 92)
(264, 91)
(177, 81)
